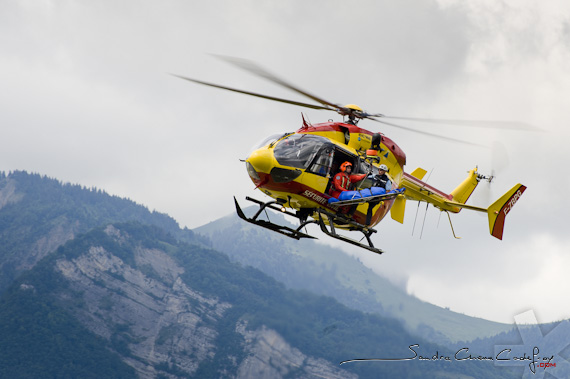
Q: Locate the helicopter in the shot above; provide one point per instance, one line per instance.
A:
(297, 170)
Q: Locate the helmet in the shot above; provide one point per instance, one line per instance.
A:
(344, 166)
(383, 167)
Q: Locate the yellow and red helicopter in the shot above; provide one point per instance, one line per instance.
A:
(296, 169)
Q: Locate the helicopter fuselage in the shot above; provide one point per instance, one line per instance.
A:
(297, 168)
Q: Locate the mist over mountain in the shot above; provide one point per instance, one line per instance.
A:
(97, 286)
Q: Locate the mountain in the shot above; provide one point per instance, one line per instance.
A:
(328, 271)
(170, 309)
(38, 214)
(98, 286)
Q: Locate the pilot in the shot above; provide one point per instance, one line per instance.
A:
(343, 179)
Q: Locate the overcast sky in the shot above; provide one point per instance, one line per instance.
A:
(86, 98)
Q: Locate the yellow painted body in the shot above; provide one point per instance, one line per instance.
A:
(313, 185)
(421, 191)
(309, 190)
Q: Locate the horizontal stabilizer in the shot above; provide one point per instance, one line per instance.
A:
(419, 173)
(398, 209)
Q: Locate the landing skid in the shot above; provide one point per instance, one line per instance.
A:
(332, 219)
(351, 225)
(285, 230)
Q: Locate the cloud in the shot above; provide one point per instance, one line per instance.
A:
(87, 98)
(526, 277)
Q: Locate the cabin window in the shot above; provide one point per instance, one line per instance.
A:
(298, 150)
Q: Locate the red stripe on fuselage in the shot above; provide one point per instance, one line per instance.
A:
(427, 187)
(341, 127)
(321, 199)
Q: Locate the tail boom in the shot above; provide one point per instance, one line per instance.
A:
(420, 191)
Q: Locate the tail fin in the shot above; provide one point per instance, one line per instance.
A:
(499, 209)
(465, 189)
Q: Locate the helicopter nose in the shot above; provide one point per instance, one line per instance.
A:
(261, 161)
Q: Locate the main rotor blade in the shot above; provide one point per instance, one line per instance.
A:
(427, 133)
(259, 71)
(306, 105)
(513, 125)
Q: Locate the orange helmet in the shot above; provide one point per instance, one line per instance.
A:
(344, 166)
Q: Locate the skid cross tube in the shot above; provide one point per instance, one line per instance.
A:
(285, 230)
(339, 220)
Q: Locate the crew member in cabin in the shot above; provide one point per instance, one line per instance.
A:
(343, 179)
(381, 179)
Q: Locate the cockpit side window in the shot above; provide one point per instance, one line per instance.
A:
(323, 162)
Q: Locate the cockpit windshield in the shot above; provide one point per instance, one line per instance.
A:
(298, 150)
(267, 140)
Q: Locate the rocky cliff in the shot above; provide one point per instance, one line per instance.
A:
(159, 325)
(86, 292)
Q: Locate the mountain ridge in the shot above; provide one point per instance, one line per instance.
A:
(170, 309)
(155, 301)
(329, 271)
(25, 197)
